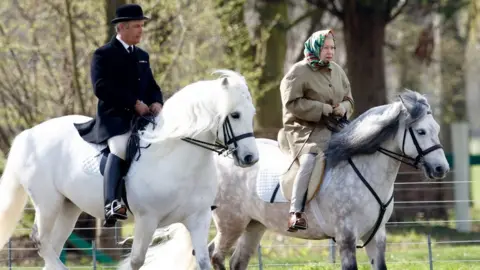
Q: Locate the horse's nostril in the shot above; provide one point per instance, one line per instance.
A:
(439, 169)
(248, 159)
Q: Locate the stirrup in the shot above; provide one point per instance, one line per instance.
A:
(115, 210)
(297, 221)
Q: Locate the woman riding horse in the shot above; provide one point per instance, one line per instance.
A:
(313, 89)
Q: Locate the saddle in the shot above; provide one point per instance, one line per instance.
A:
(334, 124)
(316, 179)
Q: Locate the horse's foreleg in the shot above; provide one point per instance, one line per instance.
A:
(222, 242)
(246, 245)
(346, 241)
(376, 250)
(198, 225)
(230, 226)
(145, 226)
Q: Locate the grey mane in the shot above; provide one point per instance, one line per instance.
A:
(347, 143)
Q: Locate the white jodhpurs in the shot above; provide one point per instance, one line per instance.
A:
(118, 145)
(302, 180)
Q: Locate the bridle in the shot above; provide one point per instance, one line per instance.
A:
(408, 160)
(220, 147)
(414, 162)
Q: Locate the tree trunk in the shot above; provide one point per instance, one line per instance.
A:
(105, 237)
(364, 31)
(110, 8)
(261, 45)
(271, 54)
(76, 74)
(472, 66)
(472, 85)
(453, 94)
(431, 75)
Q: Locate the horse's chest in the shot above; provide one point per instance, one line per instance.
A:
(357, 212)
(176, 197)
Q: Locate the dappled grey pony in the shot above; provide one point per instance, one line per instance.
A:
(355, 199)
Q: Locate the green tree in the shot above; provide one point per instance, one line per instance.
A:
(364, 25)
(258, 51)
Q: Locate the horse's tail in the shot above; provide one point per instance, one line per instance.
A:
(12, 194)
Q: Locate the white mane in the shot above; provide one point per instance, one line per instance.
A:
(199, 107)
(374, 123)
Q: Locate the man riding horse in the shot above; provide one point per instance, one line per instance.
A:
(313, 90)
(125, 87)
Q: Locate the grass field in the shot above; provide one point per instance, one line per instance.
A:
(407, 248)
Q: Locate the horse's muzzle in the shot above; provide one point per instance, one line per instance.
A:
(436, 171)
(248, 160)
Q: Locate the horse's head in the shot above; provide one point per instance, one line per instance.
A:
(419, 137)
(237, 110)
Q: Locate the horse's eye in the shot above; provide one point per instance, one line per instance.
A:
(421, 132)
(235, 115)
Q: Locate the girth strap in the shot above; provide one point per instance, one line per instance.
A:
(383, 207)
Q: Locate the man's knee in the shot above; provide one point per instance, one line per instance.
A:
(307, 161)
(118, 145)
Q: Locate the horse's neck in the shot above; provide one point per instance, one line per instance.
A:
(380, 170)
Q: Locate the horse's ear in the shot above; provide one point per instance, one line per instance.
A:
(225, 82)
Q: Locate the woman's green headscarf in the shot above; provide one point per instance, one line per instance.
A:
(313, 46)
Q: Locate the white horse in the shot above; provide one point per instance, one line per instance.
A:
(355, 199)
(173, 181)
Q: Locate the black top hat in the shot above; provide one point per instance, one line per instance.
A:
(129, 12)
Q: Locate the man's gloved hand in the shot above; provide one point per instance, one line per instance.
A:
(141, 108)
(339, 110)
(155, 108)
(327, 109)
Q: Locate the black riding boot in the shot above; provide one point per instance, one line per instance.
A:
(114, 209)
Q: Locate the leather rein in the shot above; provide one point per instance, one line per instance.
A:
(335, 125)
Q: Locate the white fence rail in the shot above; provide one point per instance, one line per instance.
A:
(463, 223)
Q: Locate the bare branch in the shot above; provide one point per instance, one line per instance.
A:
(305, 16)
(179, 46)
(75, 81)
(328, 5)
(75, 25)
(396, 13)
(334, 8)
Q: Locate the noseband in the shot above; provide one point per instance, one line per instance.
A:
(222, 147)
